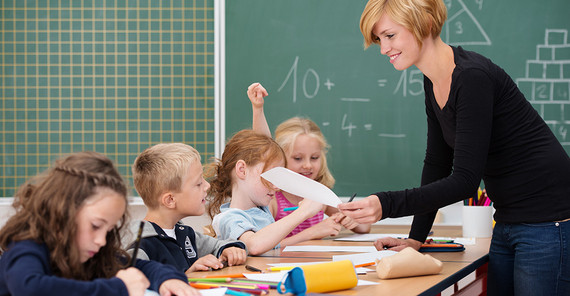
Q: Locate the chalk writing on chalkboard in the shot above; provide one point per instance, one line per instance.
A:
(309, 84)
(462, 27)
(547, 82)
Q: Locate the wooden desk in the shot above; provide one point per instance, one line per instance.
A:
(456, 265)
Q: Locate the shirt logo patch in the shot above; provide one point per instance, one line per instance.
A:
(190, 253)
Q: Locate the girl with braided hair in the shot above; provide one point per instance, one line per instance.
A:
(64, 238)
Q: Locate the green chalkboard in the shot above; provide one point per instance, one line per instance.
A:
(309, 56)
(113, 76)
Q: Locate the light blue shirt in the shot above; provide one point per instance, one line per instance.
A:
(231, 223)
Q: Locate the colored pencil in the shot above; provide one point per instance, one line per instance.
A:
(255, 282)
(352, 197)
(137, 244)
(279, 268)
(210, 280)
(290, 209)
(441, 245)
(224, 285)
(236, 293)
(202, 286)
(250, 291)
(251, 268)
(365, 264)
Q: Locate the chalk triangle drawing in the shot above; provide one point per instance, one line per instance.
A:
(546, 84)
(462, 28)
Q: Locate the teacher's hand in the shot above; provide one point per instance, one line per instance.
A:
(364, 211)
(396, 244)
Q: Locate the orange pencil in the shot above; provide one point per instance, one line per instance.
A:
(365, 264)
(202, 286)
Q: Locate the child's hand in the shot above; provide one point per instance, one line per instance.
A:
(256, 92)
(177, 287)
(327, 227)
(311, 207)
(135, 281)
(234, 256)
(345, 221)
(205, 263)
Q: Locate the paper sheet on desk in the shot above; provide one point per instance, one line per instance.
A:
(363, 258)
(309, 248)
(302, 186)
(295, 263)
(269, 276)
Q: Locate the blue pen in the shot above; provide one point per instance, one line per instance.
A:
(236, 293)
(290, 209)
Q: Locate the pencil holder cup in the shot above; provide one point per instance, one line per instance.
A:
(319, 278)
(477, 221)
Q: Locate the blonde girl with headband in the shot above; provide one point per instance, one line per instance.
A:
(305, 148)
(65, 237)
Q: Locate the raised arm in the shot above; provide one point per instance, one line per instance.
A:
(256, 92)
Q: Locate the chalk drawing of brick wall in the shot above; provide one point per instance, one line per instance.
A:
(547, 83)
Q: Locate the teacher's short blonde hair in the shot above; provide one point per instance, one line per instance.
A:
(420, 17)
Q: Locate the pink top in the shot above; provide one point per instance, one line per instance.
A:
(282, 203)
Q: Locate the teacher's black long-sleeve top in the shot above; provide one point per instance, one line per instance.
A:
(487, 130)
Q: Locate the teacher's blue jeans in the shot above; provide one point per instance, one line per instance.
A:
(530, 259)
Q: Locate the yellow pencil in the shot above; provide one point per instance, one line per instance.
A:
(279, 268)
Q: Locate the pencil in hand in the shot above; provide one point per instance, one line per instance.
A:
(137, 244)
(352, 197)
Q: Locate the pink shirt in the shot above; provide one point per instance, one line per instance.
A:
(282, 203)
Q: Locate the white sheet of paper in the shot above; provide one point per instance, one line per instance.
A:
(302, 186)
(362, 258)
(309, 248)
(362, 270)
(213, 292)
(366, 283)
(269, 276)
(296, 263)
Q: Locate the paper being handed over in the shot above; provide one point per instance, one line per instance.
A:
(302, 186)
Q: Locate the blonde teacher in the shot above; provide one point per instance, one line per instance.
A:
(480, 126)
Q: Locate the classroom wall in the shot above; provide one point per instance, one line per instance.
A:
(449, 216)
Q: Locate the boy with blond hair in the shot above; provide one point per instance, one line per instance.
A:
(169, 179)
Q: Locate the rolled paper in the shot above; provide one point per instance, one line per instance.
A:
(406, 263)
